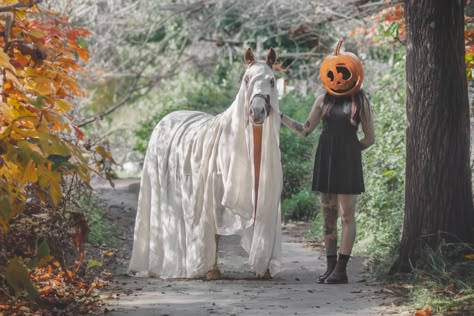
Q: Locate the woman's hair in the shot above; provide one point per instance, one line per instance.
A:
(358, 101)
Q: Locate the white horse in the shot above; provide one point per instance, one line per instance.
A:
(205, 176)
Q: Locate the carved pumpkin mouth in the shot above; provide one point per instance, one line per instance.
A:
(344, 90)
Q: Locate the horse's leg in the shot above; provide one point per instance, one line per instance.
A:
(214, 273)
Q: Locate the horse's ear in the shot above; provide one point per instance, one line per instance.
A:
(271, 57)
(249, 57)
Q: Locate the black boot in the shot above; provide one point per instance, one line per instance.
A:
(339, 275)
(331, 263)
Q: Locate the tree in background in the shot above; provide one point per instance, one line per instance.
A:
(438, 193)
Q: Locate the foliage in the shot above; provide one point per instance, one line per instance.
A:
(41, 151)
(297, 156)
(44, 272)
(380, 210)
(388, 25)
(39, 62)
(101, 233)
(300, 206)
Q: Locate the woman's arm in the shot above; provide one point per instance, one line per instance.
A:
(311, 122)
(367, 122)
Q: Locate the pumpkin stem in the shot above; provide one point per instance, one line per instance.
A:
(338, 47)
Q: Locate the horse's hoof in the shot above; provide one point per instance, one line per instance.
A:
(213, 274)
(265, 276)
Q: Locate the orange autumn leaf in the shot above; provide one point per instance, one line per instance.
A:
(40, 85)
(5, 62)
(104, 153)
(108, 253)
(83, 54)
(426, 311)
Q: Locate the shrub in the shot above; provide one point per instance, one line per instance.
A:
(380, 209)
(297, 155)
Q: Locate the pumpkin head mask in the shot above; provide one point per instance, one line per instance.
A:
(341, 73)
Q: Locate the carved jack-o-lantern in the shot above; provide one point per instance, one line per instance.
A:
(341, 73)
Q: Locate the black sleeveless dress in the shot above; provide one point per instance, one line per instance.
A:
(338, 162)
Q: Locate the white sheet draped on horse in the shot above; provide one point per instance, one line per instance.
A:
(198, 181)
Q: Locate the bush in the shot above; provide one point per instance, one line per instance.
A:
(380, 209)
(297, 155)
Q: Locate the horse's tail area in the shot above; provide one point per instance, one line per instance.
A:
(145, 232)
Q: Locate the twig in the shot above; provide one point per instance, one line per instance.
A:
(6, 293)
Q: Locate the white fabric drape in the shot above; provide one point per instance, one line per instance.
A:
(198, 181)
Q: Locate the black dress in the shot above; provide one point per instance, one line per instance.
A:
(338, 163)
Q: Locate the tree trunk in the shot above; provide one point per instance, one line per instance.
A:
(438, 192)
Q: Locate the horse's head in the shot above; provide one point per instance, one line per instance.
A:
(261, 86)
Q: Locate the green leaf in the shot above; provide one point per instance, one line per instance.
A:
(5, 210)
(29, 151)
(389, 173)
(93, 264)
(58, 161)
(42, 255)
(82, 42)
(39, 102)
(53, 145)
(18, 278)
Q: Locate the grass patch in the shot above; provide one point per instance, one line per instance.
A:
(102, 232)
(447, 301)
(443, 280)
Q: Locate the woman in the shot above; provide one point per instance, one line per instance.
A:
(337, 171)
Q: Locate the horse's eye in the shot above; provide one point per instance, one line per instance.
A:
(247, 79)
(272, 82)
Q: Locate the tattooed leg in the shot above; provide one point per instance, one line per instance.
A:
(329, 207)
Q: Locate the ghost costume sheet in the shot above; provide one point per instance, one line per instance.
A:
(197, 182)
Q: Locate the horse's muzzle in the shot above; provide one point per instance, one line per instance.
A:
(260, 107)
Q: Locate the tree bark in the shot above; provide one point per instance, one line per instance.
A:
(438, 192)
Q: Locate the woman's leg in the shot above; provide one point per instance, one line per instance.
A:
(346, 205)
(329, 208)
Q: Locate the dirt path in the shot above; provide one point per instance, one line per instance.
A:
(294, 291)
